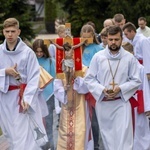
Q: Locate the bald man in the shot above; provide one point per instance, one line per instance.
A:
(108, 22)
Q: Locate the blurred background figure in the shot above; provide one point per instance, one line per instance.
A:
(97, 35)
(108, 22)
(143, 29)
(61, 34)
(119, 20)
(103, 34)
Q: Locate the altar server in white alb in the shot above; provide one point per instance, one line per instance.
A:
(20, 113)
(113, 78)
(142, 112)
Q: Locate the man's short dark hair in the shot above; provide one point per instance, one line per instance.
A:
(118, 17)
(112, 30)
(129, 26)
(142, 18)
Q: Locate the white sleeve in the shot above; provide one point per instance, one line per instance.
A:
(80, 86)
(59, 91)
(57, 107)
(4, 81)
(52, 50)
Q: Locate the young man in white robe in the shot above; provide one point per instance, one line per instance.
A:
(140, 44)
(113, 78)
(20, 112)
(120, 20)
(141, 128)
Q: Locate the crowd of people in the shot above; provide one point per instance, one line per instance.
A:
(107, 104)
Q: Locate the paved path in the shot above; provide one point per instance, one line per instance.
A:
(47, 36)
(4, 144)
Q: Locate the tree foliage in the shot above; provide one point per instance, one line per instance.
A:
(20, 10)
(98, 10)
(50, 15)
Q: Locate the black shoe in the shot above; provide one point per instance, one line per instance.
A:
(96, 148)
(46, 146)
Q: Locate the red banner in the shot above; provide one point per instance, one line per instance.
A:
(59, 56)
(77, 55)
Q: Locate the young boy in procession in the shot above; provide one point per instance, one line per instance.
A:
(20, 112)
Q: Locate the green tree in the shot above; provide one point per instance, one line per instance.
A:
(50, 15)
(132, 10)
(98, 10)
(21, 10)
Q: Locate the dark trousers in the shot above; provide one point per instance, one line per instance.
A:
(95, 129)
(49, 121)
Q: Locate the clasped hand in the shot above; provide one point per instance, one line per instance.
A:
(112, 95)
(12, 71)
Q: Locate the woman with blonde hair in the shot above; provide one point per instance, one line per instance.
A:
(89, 50)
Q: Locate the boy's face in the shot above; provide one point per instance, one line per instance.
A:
(11, 34)
(62, 34)
(104, 39)
(120, 24)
